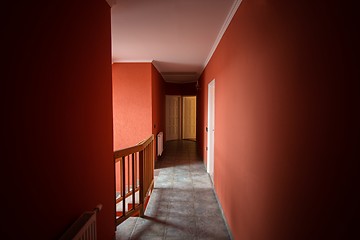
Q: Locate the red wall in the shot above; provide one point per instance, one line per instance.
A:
(286, 121)
(138, 105)
(57, 118)
(132, 103)
(158, 103)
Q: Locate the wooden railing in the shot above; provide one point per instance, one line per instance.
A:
(134, 179)
(84, 227)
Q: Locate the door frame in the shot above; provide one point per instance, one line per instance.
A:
(211, 130)
(180, 113)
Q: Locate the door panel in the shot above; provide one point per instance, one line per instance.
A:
(189, 117)
(172, 117)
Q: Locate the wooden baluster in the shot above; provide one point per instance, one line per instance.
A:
(146, 169)
(141, 191)
(128, 174)
(135, 167)
(149, 166)
(123, 184)
(133, 180)
(152, 162)
(120, 177)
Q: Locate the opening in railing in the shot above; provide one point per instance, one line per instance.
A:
(134, 179)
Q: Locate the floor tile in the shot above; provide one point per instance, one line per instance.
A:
(183, 204)
(125, 229)
(182, 227)
(211, 228)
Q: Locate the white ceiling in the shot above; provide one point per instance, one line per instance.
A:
(178, 36)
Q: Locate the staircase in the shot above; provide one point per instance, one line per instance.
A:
(129, 205)
(134, 179)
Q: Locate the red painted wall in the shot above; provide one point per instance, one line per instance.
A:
(57, 118)
(286, 125)
(158, 103)
(132, 103)
(138, 105)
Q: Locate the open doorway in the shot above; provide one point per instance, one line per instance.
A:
(180, 119)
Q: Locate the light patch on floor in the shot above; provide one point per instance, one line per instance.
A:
(183, 204)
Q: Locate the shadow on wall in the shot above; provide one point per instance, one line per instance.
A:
(174, 72)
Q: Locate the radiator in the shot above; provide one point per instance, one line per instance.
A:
(160, 143)
(84, 228)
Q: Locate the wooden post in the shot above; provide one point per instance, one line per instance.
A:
(123, 184)
(133, 179)
(141, 192)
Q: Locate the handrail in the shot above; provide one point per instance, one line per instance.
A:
(130, 150)
(98, 208)
(84, 227)
(134, 178)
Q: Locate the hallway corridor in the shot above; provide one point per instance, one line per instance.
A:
(183, 204)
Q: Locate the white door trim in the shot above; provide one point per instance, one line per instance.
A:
(211, 129)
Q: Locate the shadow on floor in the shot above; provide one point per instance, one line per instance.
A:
(183, 204)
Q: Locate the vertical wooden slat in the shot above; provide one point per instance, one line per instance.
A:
(123, 184)
(144, 182)
(128, 174)
(149, 166)
(133, 180)
(152, 161)
(115, 211)
(120, 178)
(95, 233)
(141, 176)
(135, 167)
(146, 170)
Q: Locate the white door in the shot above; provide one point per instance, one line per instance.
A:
(172, 112)
(211, 129)
(189, 118)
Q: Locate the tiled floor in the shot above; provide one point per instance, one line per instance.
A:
(183, 204)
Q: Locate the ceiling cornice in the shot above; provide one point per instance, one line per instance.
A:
(133, 61)
(154, 63)
(111, 2)
(229, 17)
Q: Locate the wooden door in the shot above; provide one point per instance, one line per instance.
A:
(189, 118)
(172, 112)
